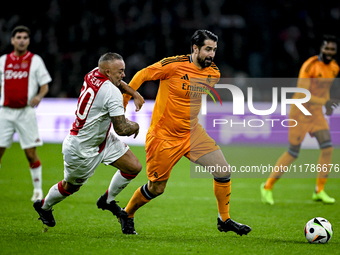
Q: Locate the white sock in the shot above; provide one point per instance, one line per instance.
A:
(53, 197)
(118, 183)
(36, 177)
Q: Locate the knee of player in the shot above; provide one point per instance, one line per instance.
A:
(136, 167)
(73, 189)
(157, 189)
(133, 167)
(70, 188)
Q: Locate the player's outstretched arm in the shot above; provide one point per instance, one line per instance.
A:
(124, 126)
(330, 105)
(138, 99)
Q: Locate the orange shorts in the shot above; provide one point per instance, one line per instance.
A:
(297, 134)
(162, 155)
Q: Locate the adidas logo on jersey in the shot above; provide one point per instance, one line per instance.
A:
(185, 77)
(10, 74)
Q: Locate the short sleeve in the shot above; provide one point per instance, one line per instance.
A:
(43, 77)
(114, 100)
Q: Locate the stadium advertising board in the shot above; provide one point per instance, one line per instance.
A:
(55, 118)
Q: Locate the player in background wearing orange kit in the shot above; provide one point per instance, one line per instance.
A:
(316, 75)
(173, 133)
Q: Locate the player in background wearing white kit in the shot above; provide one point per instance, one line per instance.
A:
(24, 82)
(90, 141)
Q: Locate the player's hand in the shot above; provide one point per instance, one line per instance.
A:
(136, 133)
(138, 100)
(35, 101)
(331, 105)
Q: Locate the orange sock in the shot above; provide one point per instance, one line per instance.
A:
(222, 192)
(324, 160)
(285, 160)
(136, 201)
(320, 184)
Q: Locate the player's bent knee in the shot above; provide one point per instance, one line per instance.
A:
(73, 189)
(70, 188)
(135, 167)
(157, 188)
(138, 167)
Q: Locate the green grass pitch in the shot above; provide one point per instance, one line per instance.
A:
(181, 221)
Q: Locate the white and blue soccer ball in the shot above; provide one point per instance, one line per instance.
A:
(318, 230)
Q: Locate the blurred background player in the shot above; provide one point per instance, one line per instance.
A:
(90, 141)
(24, 82)
(316, 75)
(175, 132)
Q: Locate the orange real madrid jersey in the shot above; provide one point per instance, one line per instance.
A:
(317, 77)
(178, 101)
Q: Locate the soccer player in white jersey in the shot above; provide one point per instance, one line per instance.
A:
(24, 82)
(90, 141)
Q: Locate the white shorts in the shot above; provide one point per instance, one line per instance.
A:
(77, 170)
(24, 122)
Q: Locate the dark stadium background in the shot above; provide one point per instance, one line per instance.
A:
(256, 38)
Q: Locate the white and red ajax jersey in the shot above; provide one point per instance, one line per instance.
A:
(99, 100)
(20, 78)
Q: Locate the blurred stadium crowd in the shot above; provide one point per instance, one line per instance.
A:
(257, 38)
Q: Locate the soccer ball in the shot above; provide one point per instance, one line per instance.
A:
(318, 230)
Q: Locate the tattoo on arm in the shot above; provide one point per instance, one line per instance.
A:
(123, 127)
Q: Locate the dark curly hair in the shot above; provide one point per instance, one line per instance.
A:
(200, 36)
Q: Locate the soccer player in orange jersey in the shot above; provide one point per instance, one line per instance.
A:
(175, 132)
(317, 75)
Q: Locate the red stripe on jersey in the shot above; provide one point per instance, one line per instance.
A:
(102, 145)
(93, 82)
(16, 80)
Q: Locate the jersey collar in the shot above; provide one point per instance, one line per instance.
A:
(27, 54)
